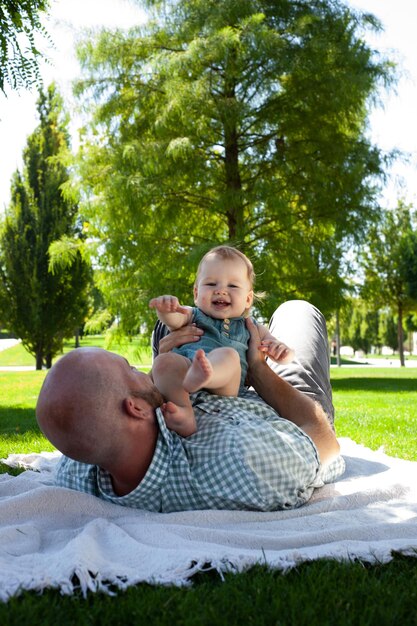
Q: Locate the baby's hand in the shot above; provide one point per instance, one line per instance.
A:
(167, 304)
(277, 351)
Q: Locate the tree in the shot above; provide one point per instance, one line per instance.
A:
(19, 54)
(390, 269)
(411, 327)
(388, 330)
(235, 121)
(360, 325)
(41, 307)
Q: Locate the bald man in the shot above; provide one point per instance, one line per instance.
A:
(246, 454)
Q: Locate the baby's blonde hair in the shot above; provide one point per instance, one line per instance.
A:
(228, 253)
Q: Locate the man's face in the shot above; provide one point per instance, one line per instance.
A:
(139, 384)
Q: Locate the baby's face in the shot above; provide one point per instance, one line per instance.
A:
(223, 289)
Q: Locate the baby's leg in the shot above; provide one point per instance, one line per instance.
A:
(219, 371)
(168, 373)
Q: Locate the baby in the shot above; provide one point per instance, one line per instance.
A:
(223, 294)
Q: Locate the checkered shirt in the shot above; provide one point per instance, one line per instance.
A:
(243, 456)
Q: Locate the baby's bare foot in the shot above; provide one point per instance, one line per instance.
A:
(199, 373)
(180, 419)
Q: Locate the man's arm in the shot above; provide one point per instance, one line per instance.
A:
(290, 403)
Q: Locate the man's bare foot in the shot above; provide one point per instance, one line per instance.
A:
(199, 373)
(180, 419)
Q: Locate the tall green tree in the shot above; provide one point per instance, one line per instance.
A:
(359, 325)
(240, 121)
(388, 330)
(41, 307)
(411, 328)
(390, 269)
(19, 54)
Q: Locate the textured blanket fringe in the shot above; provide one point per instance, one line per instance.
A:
(84, 580)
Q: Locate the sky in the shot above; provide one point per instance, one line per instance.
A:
(393, 126)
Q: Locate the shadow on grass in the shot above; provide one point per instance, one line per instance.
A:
(345, 361)
(386, 385)
(16, 420)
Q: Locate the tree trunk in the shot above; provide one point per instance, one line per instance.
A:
(234, 188)
(400, 335)
(39, 359)
(77, 338)
(339, 363)
(233, 179)
(48, 360)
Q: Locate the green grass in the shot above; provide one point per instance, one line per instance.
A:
(19, 432)
(132, 350)
(377, 407)
(374, 406)
(316, 594)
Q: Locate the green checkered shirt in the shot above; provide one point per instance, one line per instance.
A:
(243, 456)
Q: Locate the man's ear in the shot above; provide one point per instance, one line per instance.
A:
(138, 408)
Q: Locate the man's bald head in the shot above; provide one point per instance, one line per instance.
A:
(81, 405)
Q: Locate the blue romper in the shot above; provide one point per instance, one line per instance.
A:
(229, 333)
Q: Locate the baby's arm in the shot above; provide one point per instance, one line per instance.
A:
(273, 348)
(171, 312)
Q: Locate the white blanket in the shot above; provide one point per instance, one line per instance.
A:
(52, 537)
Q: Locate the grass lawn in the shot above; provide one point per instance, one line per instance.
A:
(132, 350)
(377, 407)
(374, 406)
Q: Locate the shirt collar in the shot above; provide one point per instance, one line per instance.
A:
(155, 475)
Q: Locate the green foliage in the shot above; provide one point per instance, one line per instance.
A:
(388, 330)
(42, 307)
(390, 266)
(362, 331)
(409, 264)
(235, 121)
(19, 23)
(364, 324)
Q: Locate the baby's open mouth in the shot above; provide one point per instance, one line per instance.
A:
(220, 303)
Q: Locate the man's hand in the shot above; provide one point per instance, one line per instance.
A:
(177, 338)
(288, 402)
(168, 304)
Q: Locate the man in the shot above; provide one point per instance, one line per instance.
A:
(104, 416)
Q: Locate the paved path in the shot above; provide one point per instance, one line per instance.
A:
(8, 343)
(381, 362)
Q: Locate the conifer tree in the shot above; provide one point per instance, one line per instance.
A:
(40, 307)
(390, 266)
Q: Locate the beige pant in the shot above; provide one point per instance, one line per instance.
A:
(302, 327)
